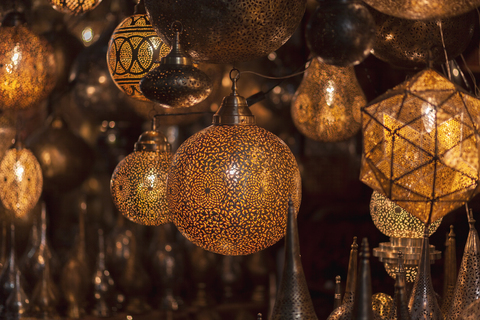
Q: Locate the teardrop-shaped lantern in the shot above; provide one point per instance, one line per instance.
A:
(176, 82)
(326, 106)
(139, 182)
(229, 183)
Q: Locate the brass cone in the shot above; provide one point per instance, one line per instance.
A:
(351, 274)
(362, 304)
(337, 302)
(423, 302)
(467, 289)
(400, 310)
(450, 272)
(293, 298)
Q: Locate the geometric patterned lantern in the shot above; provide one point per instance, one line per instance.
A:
(229, 184)
(420, 145)
(21, 180)
(134, 49)
(139, 182)
(74, 7)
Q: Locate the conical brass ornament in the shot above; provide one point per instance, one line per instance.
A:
(337, 300)
(351, 273)
(293, 298)
(450, 272)
(400, 310)
(467, 289)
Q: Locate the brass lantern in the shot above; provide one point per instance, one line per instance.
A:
(74, 7)
(139, 182)
(420, 145)
(229, 184)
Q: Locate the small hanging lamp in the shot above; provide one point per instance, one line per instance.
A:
(139, 182)
(74, 7)
(229, 183)
(176, 82)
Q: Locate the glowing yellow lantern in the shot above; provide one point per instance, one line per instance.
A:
(74, 7)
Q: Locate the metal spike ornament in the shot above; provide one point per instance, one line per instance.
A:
(450, 271)
(176, 83)
(400, 310)
(293, 299)
(467, 289)
(139, 182)
(351, 283)
(228, 184)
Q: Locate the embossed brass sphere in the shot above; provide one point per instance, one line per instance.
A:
(227, 31)
(423, 10)
(26, 65)
(74, 7)
(21, 180)
(134, 50)
(139, 182)
(229, 184)
(415, 43)
(420, 145)
(326, 106)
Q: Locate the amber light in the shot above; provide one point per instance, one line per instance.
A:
(74, 7)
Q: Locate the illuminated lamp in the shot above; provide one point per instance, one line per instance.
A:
(74, 7)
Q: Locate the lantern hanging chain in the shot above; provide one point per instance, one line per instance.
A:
(307, 65)
(449, 72)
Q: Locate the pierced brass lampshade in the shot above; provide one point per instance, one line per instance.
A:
(26, 66)
(21, 180)
(423, 10)
(420, 146)
(326, 106)
(139, 185)
(229, 183)
(74, 7)
(133, 51)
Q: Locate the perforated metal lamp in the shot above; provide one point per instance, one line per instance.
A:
(229, 184)
(74, 7)
(138, 183)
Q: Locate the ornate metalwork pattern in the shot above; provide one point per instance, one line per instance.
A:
(227, 31)
(25, 68)
(420, 145)
(472, 312)
(134, 50)
(413, 43)
(227, 188)
(393, 221)
(74, 7)
(326, 106)
(423, 10)
(382, 303)
(21, 181)
(139, 187)
(410, 271)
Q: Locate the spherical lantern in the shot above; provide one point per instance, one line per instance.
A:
(326, 106)
(415, 43)
(134, 50)
(229, 184)
(74, 7)
(341, 32)
(420, 145)
(21, 180)
(65, 158)
(227, 31)
(139, 182)
(423, 10)
(26, 65)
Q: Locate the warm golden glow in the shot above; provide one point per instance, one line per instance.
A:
(21, 181)
(228, 188)
(133, 51)
(74, 7)
(420, 146)
(382, 304)
(326, 106)
(410, 271)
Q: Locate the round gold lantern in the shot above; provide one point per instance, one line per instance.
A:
(326, 106)
(420, 146)
(134, 49)
(27, 69)
(21, 180)
(74, 7)
(229, 184)
(139, 182)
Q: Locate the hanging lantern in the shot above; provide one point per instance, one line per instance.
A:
(227, 31)
(423, 10)
(341, 33)
(176, 82)
(326, 106)
(21, 180)
(415, 43)
(139, 185)
(420, 146)
(74, 7)
(27, 68)
(229, 183)
(134, 50)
